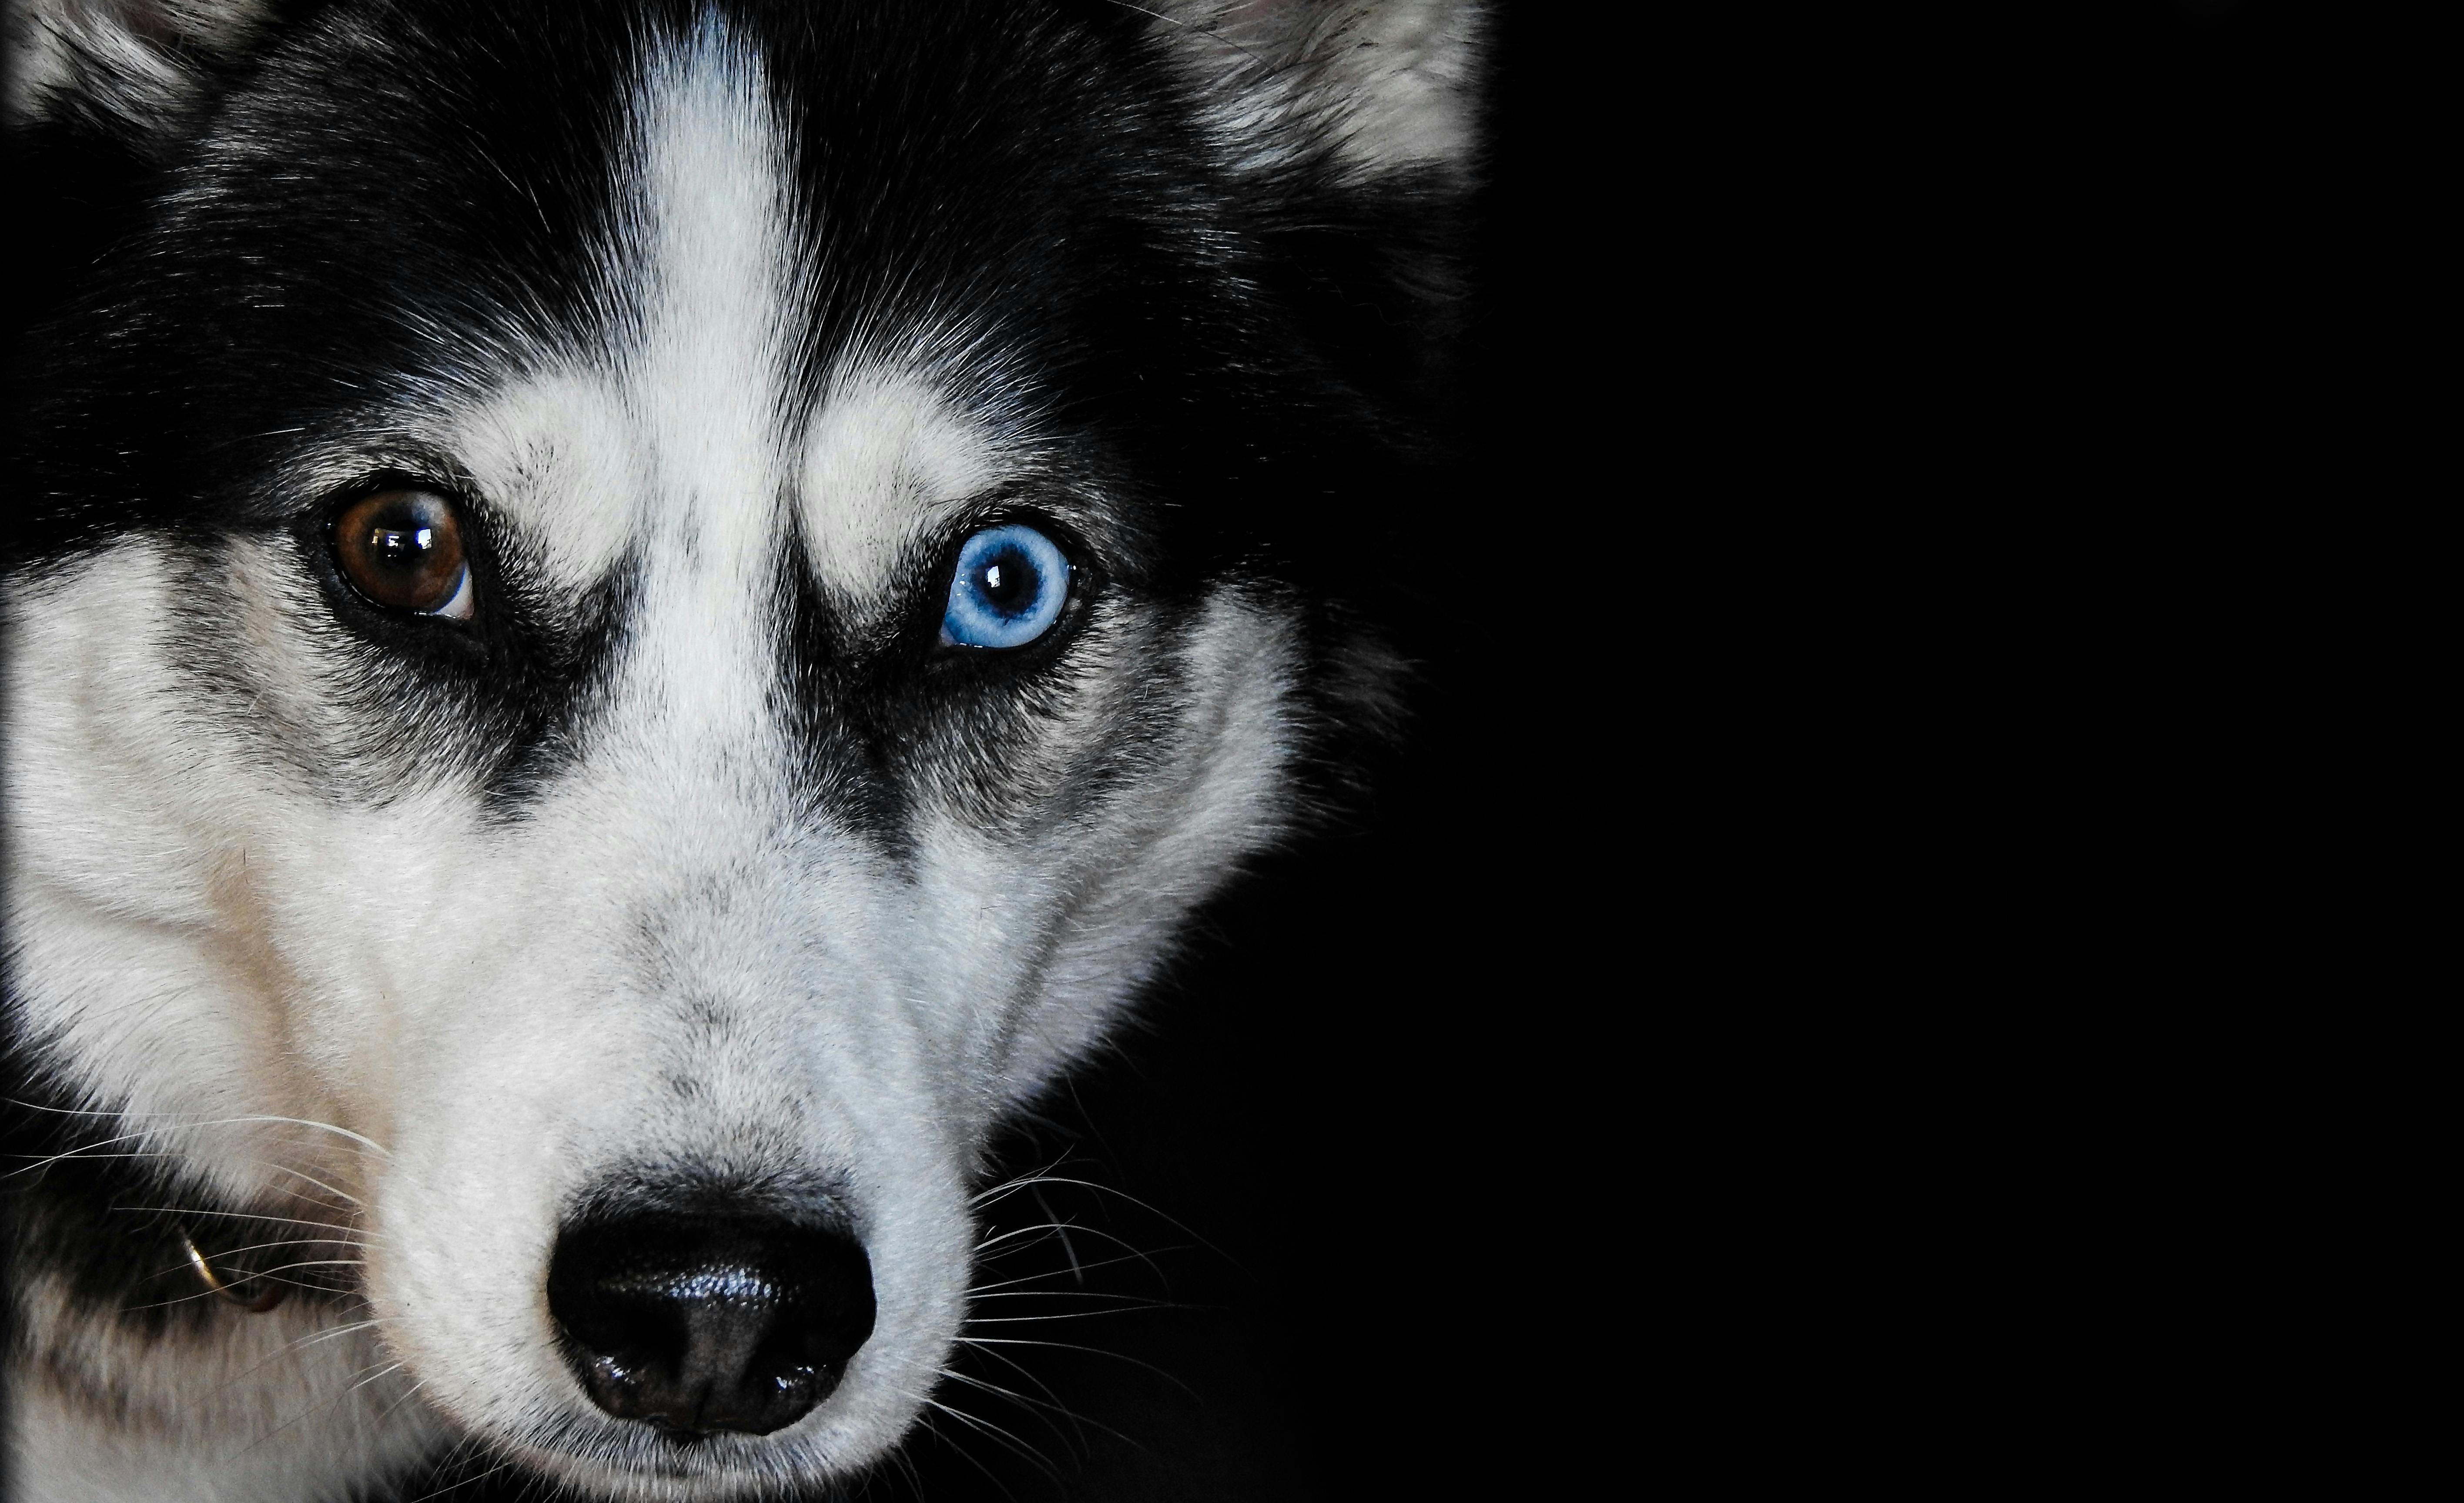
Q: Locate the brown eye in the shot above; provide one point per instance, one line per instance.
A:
(403, 549)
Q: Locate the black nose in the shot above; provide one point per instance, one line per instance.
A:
(705, 1323)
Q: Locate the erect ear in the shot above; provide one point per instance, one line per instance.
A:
(127, 64)
(1389, 84)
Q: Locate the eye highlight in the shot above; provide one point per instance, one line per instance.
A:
(402, 549)
(1009, 588)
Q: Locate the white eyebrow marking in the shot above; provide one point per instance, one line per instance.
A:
(886, 457)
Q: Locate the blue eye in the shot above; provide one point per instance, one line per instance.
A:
(1011, 584)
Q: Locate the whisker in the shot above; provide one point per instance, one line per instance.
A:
(1013, 1185)
(340, 1132)
(1068, 1248)
(321, 1184)
(1023, 1371)
(209, 1294)
(342, 1231)
(1072, 1315)
(999, 1237)
(1002, 1438)
(1029, 1279)
(1131, 1248)
(389, 1367)
(407, 1395)
(1032, 1405)
(180, 1127)
(331, 1332)
(289, 1347)
(1171, 1220)
(960, 1450)
(259, 1247)
(1208, 32)
(1070, 1347)
(313, 1408)
(455, 1486)
(906, 1461)
(1132, 1301)
(88, 1150)
(1074, 1418)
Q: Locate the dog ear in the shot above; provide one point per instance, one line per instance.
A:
(1389, 85)
(129, 66)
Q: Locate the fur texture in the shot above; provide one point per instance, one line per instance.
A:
(365, 951)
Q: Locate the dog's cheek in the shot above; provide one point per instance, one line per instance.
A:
(1215, 790)
(111, 794)
(150, 851)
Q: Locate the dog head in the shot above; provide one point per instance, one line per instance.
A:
(633, 620)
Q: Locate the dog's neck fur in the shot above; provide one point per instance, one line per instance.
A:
(130, 1377)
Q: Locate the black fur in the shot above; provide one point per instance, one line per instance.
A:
(84, 1204)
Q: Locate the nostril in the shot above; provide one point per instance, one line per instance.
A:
(698, 1324)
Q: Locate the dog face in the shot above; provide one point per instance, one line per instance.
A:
(640, 619)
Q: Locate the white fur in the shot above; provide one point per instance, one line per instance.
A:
(886, 457)
(502, 1012)
(118, 54)
(1391, 81)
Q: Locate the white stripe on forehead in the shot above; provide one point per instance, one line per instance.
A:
(713, 258)
(680, 447)
(714, 247)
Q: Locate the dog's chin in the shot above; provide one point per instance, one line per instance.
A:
(647, 1469)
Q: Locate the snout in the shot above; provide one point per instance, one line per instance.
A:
(701, 1324)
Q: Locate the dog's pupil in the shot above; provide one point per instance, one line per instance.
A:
(402, 548)
(1009, 583)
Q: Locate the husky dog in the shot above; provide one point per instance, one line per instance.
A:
(628, 622)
